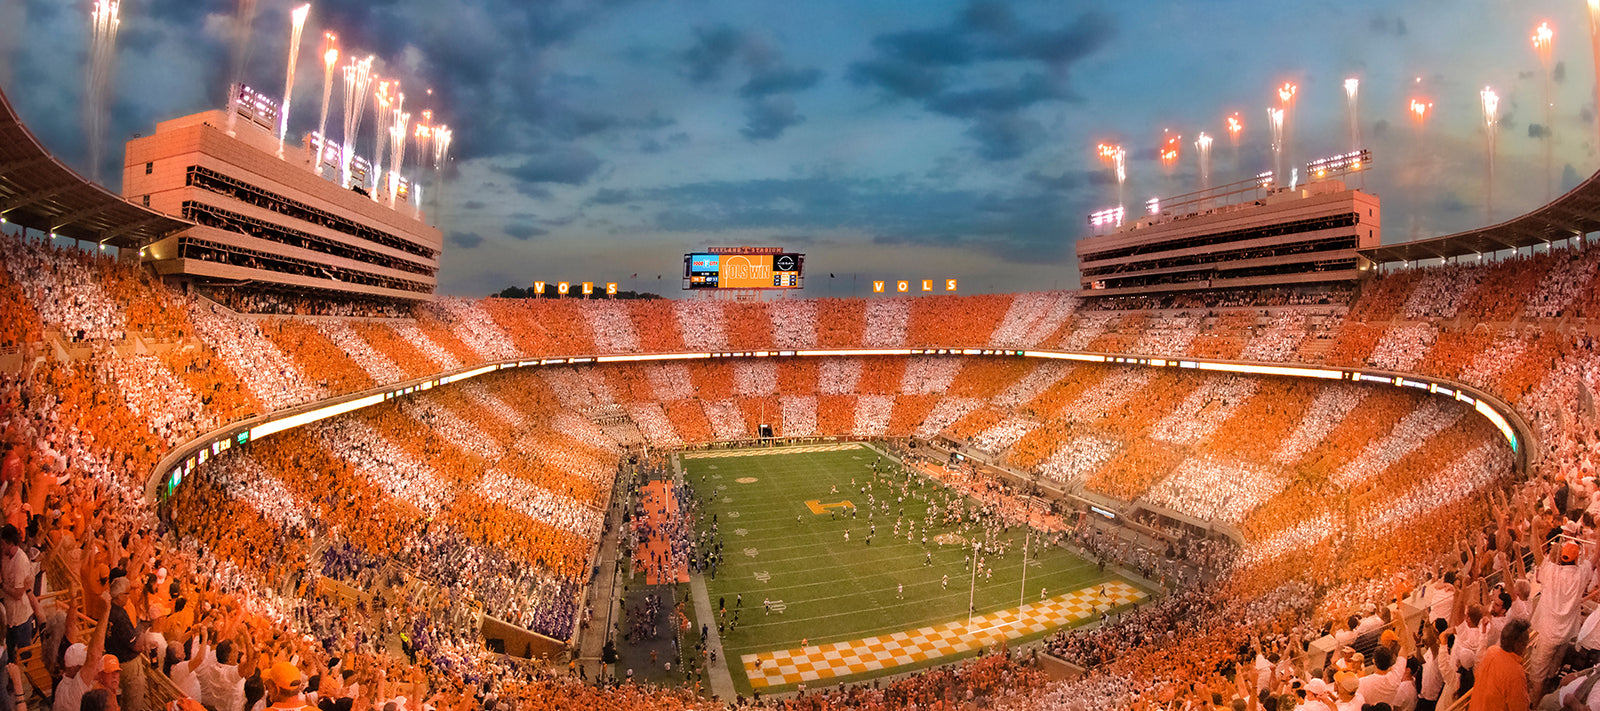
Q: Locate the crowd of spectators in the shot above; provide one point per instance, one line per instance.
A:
(513, 491)
(256, 301)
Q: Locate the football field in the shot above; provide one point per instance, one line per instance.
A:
(794, 524)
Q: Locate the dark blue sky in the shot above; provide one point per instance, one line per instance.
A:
(885, 138)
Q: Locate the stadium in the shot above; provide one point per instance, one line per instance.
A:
(1260, 458)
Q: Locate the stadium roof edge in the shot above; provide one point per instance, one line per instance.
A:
(40, 192)
(1572, 215)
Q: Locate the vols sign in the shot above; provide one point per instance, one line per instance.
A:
(927, 286)
(611, 288)
(538, 288)
(588, 288)
(562, 288)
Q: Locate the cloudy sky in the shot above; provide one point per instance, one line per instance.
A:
(885, 139)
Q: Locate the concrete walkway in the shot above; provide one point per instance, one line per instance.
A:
(716, 673)
(603, 599)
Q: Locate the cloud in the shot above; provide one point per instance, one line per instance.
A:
(1559, 73)
(713, 49)
(1005, 136)
(567, 165)
(1537, 131)
(523, 232)
(1385, 25)
(464, 240)
(1021, 227)
(611, 196)
(768, 117)
(779, 80)
(986, 66)
(770, 82)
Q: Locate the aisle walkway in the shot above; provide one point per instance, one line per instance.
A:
(654, 555)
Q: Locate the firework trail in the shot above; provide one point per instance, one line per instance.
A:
(357, 76)
(1542, 38)
(299, 19)
(1275, 117)
(381, 120)
(397, 146)
(330, 57)
(241, 50)
(1235, 126)
(1202, 148)
(104, 19)
(1491, 127)
(1351, 86)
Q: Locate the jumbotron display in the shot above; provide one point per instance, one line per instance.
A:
(743, 268)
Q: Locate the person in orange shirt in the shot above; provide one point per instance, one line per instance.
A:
(1501, 684)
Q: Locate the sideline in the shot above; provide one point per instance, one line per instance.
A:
(721, 680)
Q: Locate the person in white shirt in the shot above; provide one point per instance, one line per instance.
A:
(1577, 691)
(1380, 686)
(221, 683)
(1435, 661)
(1562, 583)
(74, 682)
(1442, 597)
(1470, 644)
(1498, 617)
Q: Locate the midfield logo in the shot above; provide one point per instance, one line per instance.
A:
(819, 508)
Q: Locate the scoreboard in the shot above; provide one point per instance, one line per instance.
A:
(743, 268)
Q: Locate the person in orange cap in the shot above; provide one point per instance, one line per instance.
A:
(286, 687)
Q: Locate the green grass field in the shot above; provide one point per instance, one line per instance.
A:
(832, 590)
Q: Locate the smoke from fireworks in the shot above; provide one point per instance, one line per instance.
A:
(241, 51)
(357, 76)
(299, 19)
(1351, 86)
(330, 57)
(381, 120)
(105, 20)
(1491, 126)
(1202, 147)
(1542, 39)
